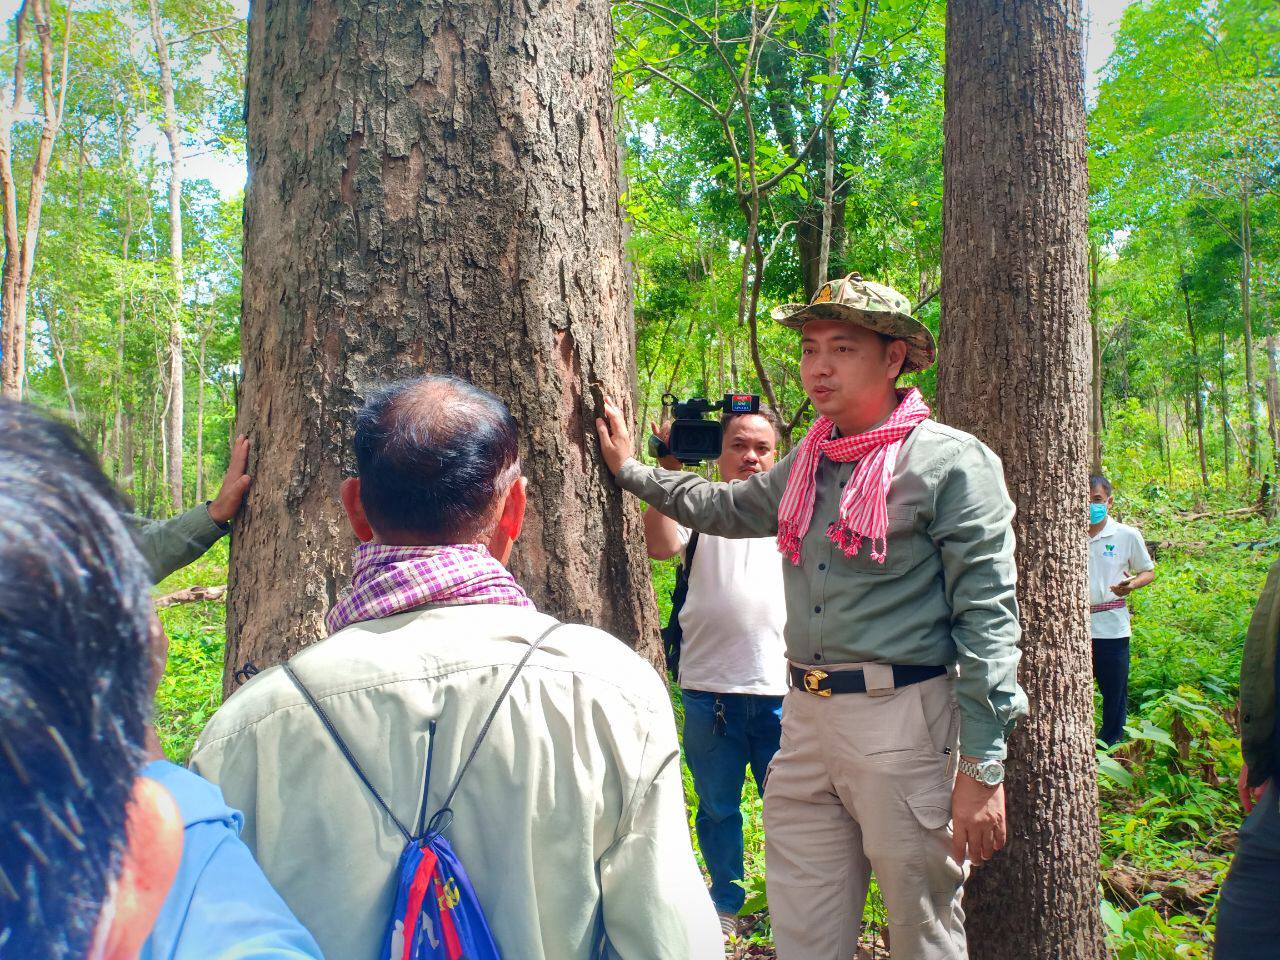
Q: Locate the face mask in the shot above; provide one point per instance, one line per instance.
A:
(1097, 512)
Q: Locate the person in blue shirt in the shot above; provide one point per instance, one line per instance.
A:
(220, 904)
(103, 854)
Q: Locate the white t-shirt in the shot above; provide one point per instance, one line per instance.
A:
(733, 617)
(1116, 552)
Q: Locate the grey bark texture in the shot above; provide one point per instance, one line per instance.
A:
(433, 187)
(1014, 370)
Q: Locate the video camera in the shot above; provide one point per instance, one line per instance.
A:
(693, 438)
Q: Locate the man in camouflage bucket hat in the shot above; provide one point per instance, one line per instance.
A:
(902, 633)
(878, 308)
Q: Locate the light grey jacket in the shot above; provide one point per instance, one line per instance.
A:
(572, 813)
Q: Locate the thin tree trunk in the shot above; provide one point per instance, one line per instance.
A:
(828, 150)
(1224, 403)
(1015, 299)
(204, 343)
(20, 249)
(128, 452)
(1195, 364)
(60, 357)
(1273, 405)
(456, 209)
(1246, 265)
(172, 135)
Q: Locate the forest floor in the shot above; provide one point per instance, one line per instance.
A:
(1169, 811)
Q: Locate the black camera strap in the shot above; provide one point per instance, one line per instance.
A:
(672, 633)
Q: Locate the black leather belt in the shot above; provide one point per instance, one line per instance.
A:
(823, 684)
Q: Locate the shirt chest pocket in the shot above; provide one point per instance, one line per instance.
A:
(900, 553)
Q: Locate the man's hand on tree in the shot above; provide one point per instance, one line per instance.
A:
(235, 484)
(615, 438)
(977, 820)
(663, 433)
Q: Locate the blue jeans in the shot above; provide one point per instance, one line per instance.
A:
(724, 733)
(1111, 669)
(1248, 921)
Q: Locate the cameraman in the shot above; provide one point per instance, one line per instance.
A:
(732, 665)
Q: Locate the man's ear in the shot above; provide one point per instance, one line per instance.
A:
(896, 353)
(355, 510)
(510, 520)
(152, 853)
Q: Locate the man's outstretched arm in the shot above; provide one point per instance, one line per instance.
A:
(745, 509)
(169, 545)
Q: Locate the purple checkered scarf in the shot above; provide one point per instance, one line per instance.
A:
(389, 580)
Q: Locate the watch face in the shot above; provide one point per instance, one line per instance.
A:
(992, 774)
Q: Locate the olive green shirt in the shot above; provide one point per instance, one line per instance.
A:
(1258, 732)
(169, 545)
(945, 595)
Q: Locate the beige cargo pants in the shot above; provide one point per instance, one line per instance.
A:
(861, 784)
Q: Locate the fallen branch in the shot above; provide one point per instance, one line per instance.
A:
(192, 595)
(1238, 512)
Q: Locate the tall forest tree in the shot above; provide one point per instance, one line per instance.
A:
(1014, 370)
(20, 245)
(176, 380)
(433, 186)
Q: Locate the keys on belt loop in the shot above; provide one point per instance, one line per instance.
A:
(719, 725)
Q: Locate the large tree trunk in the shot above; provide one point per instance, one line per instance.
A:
(176, 386)
(1014, 370)
(454, 209)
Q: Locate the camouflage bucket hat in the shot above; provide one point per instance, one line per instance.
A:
(866, 304)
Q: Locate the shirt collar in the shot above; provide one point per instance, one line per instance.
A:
(1108, 530)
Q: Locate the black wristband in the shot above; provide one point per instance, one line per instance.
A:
(225, 527)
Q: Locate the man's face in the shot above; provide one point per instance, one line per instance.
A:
(844, 368)
(749, 447)
(1099, 495)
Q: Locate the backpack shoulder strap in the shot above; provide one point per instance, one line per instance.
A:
(689, 549)
(346, 752)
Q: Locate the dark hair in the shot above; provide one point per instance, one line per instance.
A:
(1098, 480)
(75, 622)
(434, 454)
(766, 415)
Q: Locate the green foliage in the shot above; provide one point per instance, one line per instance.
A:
(191, 689)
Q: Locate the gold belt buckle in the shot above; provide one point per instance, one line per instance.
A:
(811, 680)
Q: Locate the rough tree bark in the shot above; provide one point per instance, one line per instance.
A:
(433, 186)
(176, 376)
(1014, 370)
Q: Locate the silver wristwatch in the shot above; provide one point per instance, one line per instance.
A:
(989, 773)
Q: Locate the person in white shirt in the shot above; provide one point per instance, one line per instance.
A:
(732, 668)
(1118, 565)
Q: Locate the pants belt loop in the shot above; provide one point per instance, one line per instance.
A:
(879, 679)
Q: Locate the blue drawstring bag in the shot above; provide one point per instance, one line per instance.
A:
(437, 915)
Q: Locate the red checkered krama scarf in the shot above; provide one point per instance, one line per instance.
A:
(863, 509)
